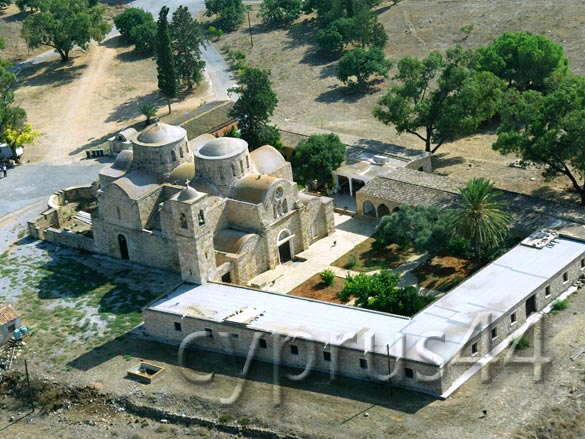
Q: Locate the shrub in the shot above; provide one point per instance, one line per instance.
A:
(351, 262)
(328, 277)
(559, 305)
(520, 343)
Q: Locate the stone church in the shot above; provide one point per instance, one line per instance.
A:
(209, 209)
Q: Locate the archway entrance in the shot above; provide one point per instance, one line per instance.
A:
(123, 247)
(284, 244)
(383, 210)
(369, 209)
(284, 252)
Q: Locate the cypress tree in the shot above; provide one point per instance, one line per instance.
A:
(166, 72)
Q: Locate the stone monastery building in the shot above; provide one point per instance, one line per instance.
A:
(210, 210)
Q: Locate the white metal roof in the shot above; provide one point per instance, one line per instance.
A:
(495, 289)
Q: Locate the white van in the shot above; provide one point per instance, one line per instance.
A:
(6, 152)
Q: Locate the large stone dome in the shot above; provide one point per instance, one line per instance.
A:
(160, 134)
(223, 147)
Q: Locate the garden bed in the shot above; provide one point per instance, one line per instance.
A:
(364, 258)
(314, 288)
(443, 273)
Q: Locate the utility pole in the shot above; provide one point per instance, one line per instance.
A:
(30, 394)
(250, 26)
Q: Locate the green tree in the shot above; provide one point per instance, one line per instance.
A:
(280, 11)
(362, 64)
(129, 19)
(20, 136)
(444, 97)
(144, 37)
(548, 130)
(165, 63)
(230, 13)
(149, 111)
(255, 104)
(424, 228)
(479, 216)
(381, 292)
(187, 39)
(63, 24)
(33, 5)
(316, 157)
(523, 60)
(366, 30)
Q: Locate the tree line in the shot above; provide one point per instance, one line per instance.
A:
(520, 82)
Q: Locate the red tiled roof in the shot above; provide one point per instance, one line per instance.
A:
(7, 314)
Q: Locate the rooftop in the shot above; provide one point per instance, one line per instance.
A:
(495, 289)
(7, 314)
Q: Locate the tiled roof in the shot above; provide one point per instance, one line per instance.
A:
(7, 314)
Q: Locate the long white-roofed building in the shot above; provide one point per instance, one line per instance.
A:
(430, 352)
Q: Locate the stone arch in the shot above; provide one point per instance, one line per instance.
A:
(369, 209)
(284, 243)
(396, 209)
(383, 210)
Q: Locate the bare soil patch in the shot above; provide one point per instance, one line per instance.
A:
(443, 273)
(364, 258)
(314, 288)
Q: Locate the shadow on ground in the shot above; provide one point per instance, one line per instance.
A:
(54, 72)
(204, 362)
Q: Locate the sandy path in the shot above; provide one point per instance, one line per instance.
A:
(79, 104)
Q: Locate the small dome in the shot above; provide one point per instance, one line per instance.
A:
(267, 159)
(160, 134)
(181, 173)
(188, 194)
(222, 147)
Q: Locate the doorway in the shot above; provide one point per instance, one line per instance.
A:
(284, 252)
(123, 246)
(530, 305)
(227, 278)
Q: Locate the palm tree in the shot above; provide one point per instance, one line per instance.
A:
(479, 216)
(149, 111)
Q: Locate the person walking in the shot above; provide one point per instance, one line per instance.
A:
(4, 170)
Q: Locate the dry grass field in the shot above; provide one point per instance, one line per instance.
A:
(309, 92)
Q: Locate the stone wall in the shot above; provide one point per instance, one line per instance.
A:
(237, 340)
(70, 239)
(505, 325)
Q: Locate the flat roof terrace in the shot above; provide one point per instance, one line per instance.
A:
(497, 288)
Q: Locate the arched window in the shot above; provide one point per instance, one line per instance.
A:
(183, 221)
(174, 156)
(181, 152)
(201, 218)
(161, 160)
(274, 211)
(242, 166)
(233, 170)
(247, 162)
(383, 210)
(284, 206)
(369, 209)
(221, 173)
(119, 213)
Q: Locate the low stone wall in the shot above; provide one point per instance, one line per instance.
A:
(70, 239)
(248, 431)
